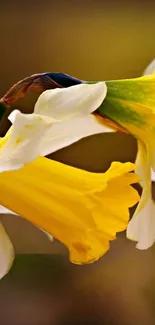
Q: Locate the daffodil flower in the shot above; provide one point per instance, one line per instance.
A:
(129, 104)
(83, 210)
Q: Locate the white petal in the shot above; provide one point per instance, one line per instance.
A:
(143, 225)
(21, 143)
(33, 135)
(63, 134)
(141, 228)
(150, 69)
(4, 210)
(152, 175)
(6, 252)
(71, 102)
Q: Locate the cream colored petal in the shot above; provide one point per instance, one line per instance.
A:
(150, 69)
(145, 224)
(6, 252)
(22, 142)
(4, 210)
(35, 135)
(63, 134)
(141, 228)
(152, 175)
(71, 102)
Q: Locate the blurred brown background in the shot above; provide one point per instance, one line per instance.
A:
(93, 40)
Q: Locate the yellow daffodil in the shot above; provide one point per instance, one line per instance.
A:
(131, 104)
(83, 210)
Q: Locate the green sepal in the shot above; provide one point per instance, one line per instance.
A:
(130, 101)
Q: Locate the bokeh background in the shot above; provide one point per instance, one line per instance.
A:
(93, 40)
